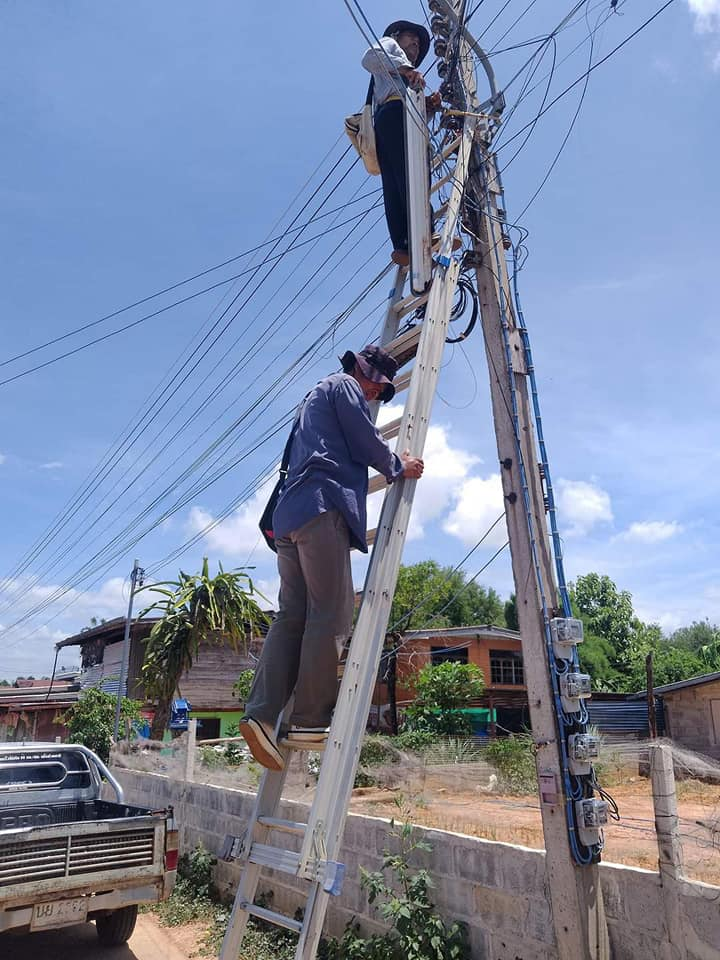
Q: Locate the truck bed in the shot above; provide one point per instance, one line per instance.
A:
(76, 811)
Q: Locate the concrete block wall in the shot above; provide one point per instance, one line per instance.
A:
(497, 889)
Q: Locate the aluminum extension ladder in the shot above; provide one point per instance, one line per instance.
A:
(310, 850)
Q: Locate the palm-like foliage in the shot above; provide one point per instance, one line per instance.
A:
(195, 608)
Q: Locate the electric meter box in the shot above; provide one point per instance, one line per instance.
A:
(574, 687)
(566, 633)
(591, 816)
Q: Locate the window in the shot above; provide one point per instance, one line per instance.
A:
(506, 667)
(208, 728)
(448, 655)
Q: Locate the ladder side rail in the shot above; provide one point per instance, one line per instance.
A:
(575, 894)
(342, 752)
(418, 187)
(267, 801)
(391, 323)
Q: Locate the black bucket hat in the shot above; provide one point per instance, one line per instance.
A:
(376, 365)
(398, 26)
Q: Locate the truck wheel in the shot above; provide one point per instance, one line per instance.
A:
(117, 927)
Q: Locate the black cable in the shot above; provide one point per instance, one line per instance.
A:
(175, 286)
(227, 433)
(178, 505)
(595, 66)
(565, 138)
(121, 447)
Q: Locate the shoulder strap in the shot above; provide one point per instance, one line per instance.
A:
(286, 452)
(371, 90)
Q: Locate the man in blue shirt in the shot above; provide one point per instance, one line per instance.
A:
(320, 516)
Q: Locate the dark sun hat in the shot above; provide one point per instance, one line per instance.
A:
(376, 365)
(399, 26)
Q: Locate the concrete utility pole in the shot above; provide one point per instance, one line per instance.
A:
(574, 891)
(136, 575)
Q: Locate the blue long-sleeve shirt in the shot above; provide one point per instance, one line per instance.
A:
(335, 442)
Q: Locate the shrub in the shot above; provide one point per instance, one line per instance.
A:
(514, 759)
(442, 693)
(402, 896)
(415, 740)
(91, 720)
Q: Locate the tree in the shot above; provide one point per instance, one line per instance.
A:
(91, 720)
(442, 691)
(670, 664)
(511, 613)
(243, 685)
(703, 639)
(94, 622)
(196, 608)
(609, 614)
(430, 595)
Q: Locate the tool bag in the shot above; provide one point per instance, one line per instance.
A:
(266, 520)
(360, 130)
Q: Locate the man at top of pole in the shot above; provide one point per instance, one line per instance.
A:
(394, 62)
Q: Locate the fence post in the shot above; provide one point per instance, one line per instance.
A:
(669, 846)
(190, 754)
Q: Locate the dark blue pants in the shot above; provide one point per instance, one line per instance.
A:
(390, 145)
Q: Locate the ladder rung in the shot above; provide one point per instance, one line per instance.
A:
(279, 919)
(402, 382)
(391, 429)
(288, 826)
(409, 304)
(440, 212)
(404, 347)
(377, 483)
(441, 183)
(447, 152)
(264, 855)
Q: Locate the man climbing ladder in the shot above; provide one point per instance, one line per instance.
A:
(319, 517)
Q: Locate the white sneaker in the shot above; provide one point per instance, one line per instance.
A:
(306, 738)
(260, 738)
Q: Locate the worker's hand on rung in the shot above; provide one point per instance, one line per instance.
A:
(414, 466)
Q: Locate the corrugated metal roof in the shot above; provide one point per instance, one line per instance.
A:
(487, 630)
(681, 684)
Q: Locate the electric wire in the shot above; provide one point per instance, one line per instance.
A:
(128, 440)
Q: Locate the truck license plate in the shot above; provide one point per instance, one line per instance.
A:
(59, 913)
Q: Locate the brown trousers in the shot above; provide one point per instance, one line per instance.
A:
(303, 644)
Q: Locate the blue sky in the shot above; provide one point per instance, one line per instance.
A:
(145, 142)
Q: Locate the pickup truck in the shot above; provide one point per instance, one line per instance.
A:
(69, 856)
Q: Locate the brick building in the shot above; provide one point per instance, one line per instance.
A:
(495, 650)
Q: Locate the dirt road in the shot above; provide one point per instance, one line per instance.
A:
(150, 941)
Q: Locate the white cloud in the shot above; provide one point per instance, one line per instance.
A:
(269, 588)
(446, 467)
(479, 503)
(238, 535)
(651, 531)
(28, 648)
(3, 458)
(52, 465)
(706, 14)
(581, 507)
